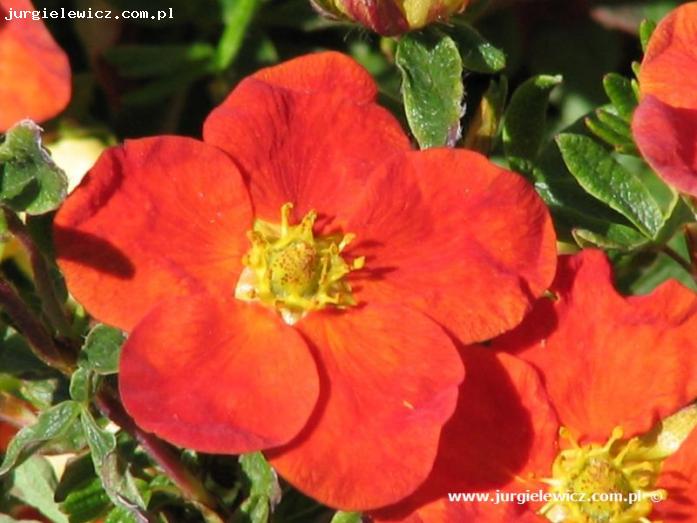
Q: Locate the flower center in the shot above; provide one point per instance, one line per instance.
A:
(294, 271)
(612, 483)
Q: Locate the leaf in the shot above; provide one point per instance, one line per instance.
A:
(432, 87)
(100, 441)
(117, 481)
(624, 239)
(347, 517)
(16, 358)
(612, 129)
(120, 515)
(608, 181)
(524, 122)
(646, 29)
(620, 92)
(264, 490)
(573, 208)
(477, 53)
(80, 491)
(31, 182)
(86, 503)
(82, 385)
(34, 482)
(51, 424)
(101, 350)
(237, 16)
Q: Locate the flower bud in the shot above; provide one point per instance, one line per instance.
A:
(390, 17)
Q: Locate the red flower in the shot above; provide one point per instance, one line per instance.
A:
(34, 71)
(606, 361)
(383, 251)
(665, 123)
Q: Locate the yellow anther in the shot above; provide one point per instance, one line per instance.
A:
(291, 270)
(613, 482)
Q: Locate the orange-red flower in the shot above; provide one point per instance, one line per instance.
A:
(665, 123)
(293, 282)
(34, 71)
(612, 368)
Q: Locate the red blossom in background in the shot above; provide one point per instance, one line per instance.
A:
(665, 123)
(154, 239)
(34, 71)
(606, 361)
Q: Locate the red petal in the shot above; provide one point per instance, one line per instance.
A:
(34, 71)
(679, 478)
(217, 376)
(389, 382)
(155, 218)
(600, 352)
(503, 433)
(328, 72)
(449, 233)
(306, 135)
(667, 138)
(669, 68)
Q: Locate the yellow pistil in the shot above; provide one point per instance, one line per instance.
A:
(291, 270)
(615, 482)
(610, 483)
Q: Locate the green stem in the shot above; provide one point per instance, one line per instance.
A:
(32, 329)
(51, 305)
(691, 239)
(671, 253)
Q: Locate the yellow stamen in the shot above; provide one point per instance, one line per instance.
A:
(291, 270)
(614, 482)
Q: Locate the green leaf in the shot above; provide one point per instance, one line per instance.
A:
(101, 442)
(646, 29)
(572, 207)
(117, 481)
(620, 92)
(78, 472)
(86, 503)
(51, 424)
(477, 53)
(264, 490)
(347, 517)
(82, 385)
(120, 515)
(612, 129)
(237, 16)
(524, 125)
(30, 181)
(151, 61)
(34, 482)
(621, 239)
(608, 181)
(432, 87)
(101, 350)
(80, 491)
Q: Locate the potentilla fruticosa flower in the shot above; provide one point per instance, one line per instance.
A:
(619, 374)
(665, 123)
(293, 282)
(34, 71)
(391, 17)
